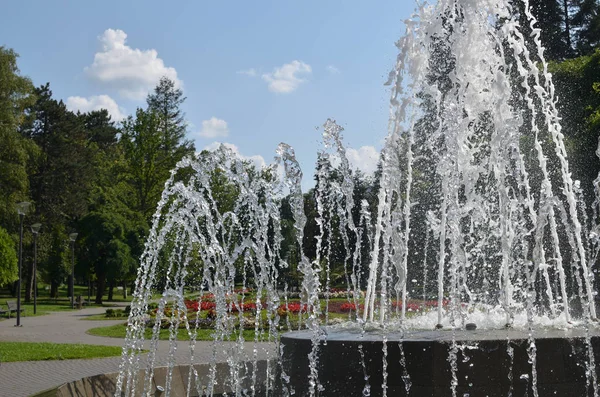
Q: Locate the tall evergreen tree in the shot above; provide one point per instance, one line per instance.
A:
(552, 22)
(586, 21)
(63, 178)
(166, 103)
(153, 143)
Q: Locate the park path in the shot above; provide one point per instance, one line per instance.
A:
(21, 379)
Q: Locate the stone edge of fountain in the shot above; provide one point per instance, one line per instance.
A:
(104, 385)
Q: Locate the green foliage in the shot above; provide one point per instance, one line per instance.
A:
(16, 153)
(577, 83)
(165, 103)
(586, 19)
(115, 313)
(58, 262)
(64, 176)
(550, 19)
(153, 143)
(9, 270)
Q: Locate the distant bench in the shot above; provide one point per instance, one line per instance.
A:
(12, 308)
(80, 301)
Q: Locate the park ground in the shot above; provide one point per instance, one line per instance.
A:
(57, 323)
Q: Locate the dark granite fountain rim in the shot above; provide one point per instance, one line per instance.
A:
(443, 335)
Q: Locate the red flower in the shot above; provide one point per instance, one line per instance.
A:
(207, 305)
(293, 307)
(244, 307)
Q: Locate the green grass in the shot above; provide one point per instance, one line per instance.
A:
(46, 304)
(119, 331)
(38, 351)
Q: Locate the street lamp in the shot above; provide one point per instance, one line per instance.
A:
(22, 210)
(35, 228)
(73, 237)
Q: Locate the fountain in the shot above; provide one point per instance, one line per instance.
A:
(479, 224)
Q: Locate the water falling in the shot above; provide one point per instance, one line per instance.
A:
(474, 118)
(476, 207)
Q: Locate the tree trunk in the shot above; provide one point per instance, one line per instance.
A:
(124, 289)
(567, 27)
(111, 286)
(13, 289)
(100, 290)
(54, 289)
(29, 283)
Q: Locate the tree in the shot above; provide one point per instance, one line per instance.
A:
(57, 264)
(101, 130)
(62, 179)
(153, 143)
(140, 142)
(586, 22)
(554, 25)
(111, 233)
(9, 271)
(578, 83)
(16, 153)
(106, 235)
(165, 103)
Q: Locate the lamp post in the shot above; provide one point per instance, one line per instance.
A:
(22, 210)
(73, 237)
(35, 228)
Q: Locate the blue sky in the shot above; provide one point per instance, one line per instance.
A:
(255, 73)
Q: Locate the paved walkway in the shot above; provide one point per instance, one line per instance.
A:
(22, 379)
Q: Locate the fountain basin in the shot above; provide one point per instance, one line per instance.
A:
(483, 364)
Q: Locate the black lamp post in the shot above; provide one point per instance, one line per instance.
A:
(35, 228)
(22, 209)
(73, 237)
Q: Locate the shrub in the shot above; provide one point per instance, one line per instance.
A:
(114, 313)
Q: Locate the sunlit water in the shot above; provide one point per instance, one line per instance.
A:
(478, 213)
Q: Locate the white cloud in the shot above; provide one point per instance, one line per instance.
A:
(285, 79)
(133, 72)
(332, 69)
(365, 159)
(97, 102)
(214, 128)
(248, 72)
(258, 160)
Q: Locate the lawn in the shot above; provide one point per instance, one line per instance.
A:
(37, 351)
(46, 304)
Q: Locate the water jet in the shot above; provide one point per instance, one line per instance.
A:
(476, 203)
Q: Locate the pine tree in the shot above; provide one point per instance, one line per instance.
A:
(586, 22)
(153, 143)
(552, 22)
(166, 103)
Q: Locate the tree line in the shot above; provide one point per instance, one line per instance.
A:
(85, 173)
